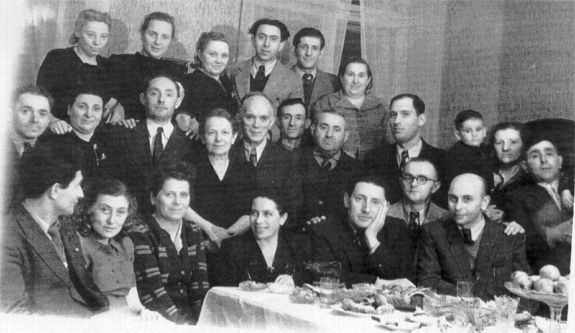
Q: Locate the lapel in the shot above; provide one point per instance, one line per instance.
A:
(457, 249)
(396, 210)
(175, 142)
(40, 243)
(435, 213)
(275, 82)
(267, 156)
(242, 78)
(320, 86)
(489, 240)
(138, 145)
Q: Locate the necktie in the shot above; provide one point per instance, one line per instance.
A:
(404, 159)
(158, 146)
(413, 224)
(467, 236)
(26, 146)
(261, 74)
(307, 87)
(253, 157)
(556, 196)
(54, 232)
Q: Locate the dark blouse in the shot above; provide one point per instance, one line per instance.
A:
(204, 93)
(62, 71)
(170, 282)
(129, 75)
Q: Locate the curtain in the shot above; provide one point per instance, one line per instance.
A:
(328, 16)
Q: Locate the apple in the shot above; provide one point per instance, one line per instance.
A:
(524, 282)
(543, 285)
(518, 274)
(562, 287)
(550, 272)
(534, 278)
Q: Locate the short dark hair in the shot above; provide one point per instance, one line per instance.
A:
(106, 186)
(464, 116)
(220, 113)
(418, 104)
(158, 16)
(273, 195)
(179, 171)
(84, 90)
(46, 165)
(330, 111)
(205, 39)
(284, 32)
(425, 160)
(370, 178)
(149, 79)
(33, 90)
(308, 32)
(356, 60)
(89, 15)
(289, 102)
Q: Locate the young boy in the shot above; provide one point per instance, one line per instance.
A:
(470, 153)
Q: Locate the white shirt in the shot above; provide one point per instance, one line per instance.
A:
(413, 151)
(269, 67)
(477, 229)
(259, 149)
(551, 188)
(153, 128)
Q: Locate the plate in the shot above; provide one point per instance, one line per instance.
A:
(279, 288)
(338, 309)
(252, 286)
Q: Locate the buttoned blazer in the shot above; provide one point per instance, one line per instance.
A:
(443, 259)
(333, 240)
(533, 208)
(434, 213)
(281, 85)
(383, 161)
(34, 279)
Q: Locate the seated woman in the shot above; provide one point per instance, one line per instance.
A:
(265, 253)
(170, 262)
(208, 87)
(80, 65)
(108, 210)
(366, 115)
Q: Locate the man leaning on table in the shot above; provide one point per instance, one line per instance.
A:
(468, 246)
(368, 244)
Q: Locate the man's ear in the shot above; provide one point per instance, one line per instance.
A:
(143, 99)
(436, 186)
(54, 190)
(283, 218)
(346, 200)
(181, 95)
(421, 120)
(307, 123)
(485, 202)
(346, 136)
(69, 110)
(234, 138)
(282, 44)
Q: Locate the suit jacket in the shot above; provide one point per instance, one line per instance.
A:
(383, 161)
(34, 279)
(324, 83)
(443, 259)
(323, 190)
(434, 213)
(335, 240)
(131, 159)
(533, 208)
(282, 83)
(276, 170)
(11, 190)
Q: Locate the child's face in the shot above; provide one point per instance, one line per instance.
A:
(108, 215)
(472, 132)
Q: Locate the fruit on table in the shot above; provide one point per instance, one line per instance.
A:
(522, 279)
(550, 272)
(562, 286)
(543, 285)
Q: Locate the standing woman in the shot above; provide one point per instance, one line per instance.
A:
(129, 71)
(366, 115)
(80, 65)
(208, 87)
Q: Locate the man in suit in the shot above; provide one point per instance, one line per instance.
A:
(273, 165)
(292, 122)
(407, 117)
(31, 107)
(368, 244)
(468, 246)
(539, 209)
(42, 267)
(308, 49)
(136, 153)
(325, 167)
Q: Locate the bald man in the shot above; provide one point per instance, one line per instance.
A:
(468, 246)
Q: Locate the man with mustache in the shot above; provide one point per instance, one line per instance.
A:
(407, 118)
(368, 244)
(42, 269)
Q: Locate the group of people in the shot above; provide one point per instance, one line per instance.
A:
(134, 184)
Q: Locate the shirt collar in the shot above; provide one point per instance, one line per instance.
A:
(290, 144)
(413, 151)
(422, 213)
(268, 66)
(153, 127)
(41, 223)
(301, 73)
(319, 157)
(259, 148)
(19, 143)
(477, 229)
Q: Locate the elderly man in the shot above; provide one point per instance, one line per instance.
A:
(539, 209)
(274, 166)
(292, 122)
(325, 167)
(308, 49)
(407, 118)
(468, 246)
(368, 244)
(42, 269)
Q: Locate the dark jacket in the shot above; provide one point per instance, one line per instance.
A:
(461, 158)
(34, 279)
(443, 259)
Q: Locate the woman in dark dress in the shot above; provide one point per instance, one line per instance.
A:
(265, 253)
(80, 65)
(131, 70)
(223, 185)
(208, 87)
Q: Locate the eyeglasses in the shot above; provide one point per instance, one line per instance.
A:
(420, 179)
